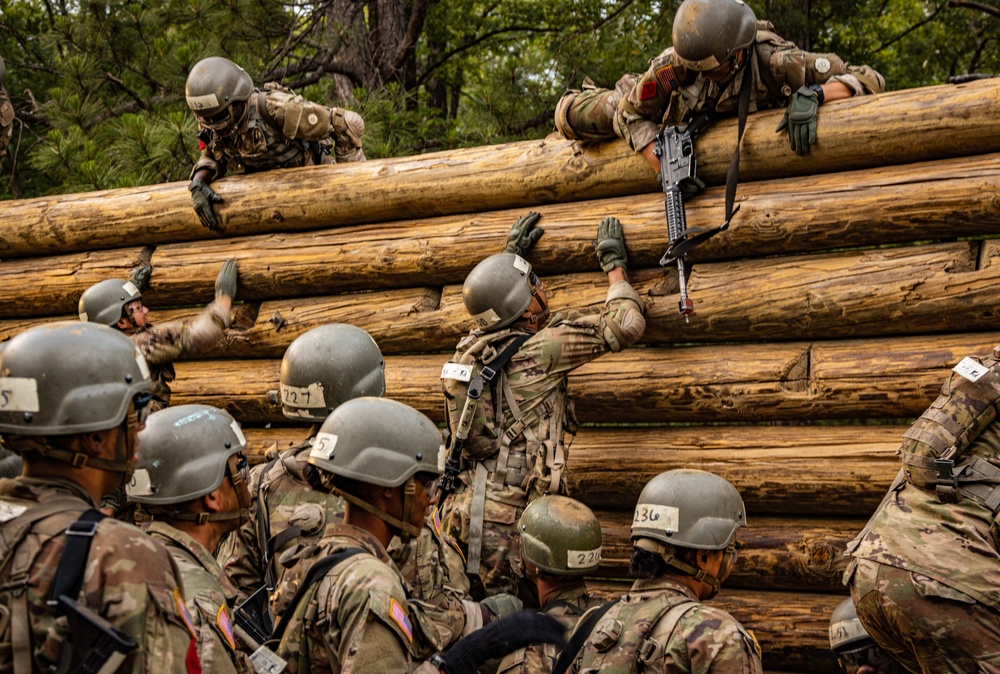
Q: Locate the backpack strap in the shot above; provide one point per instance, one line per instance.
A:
(315, 573)
(580, 635)
(73, 562)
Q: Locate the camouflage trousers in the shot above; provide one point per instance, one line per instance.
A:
(925, 625)
(501, 546)
(589, 113)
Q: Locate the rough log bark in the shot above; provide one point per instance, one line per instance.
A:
(787, 470)
(853, 379)
(792, 628)
(894, 128)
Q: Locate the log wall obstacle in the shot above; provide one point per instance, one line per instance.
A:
(826, 318)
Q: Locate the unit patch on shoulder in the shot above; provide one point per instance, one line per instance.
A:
(182, 611)
(647, 91)
(437, 520)
(225, 626)
(398, 615)
(667, 78)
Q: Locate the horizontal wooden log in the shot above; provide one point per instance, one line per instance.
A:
(895, 128)
(791, 627)
(850, 379)
(788, 470)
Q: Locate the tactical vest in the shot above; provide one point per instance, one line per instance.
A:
(621, 643)
(23, 534)
(489, 438)
(934, 450)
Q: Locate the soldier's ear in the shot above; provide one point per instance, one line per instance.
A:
(212, 501)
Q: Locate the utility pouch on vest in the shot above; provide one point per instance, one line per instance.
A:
(934, 448)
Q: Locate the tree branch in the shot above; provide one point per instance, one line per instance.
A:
(414, 27)
(889, 43)
(475, 41)
(978, 6)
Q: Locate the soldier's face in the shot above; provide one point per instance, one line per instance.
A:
(138, 313)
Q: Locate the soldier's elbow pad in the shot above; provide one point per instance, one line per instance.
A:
(348, 125)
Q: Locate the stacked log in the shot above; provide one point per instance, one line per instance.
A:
(827, 317)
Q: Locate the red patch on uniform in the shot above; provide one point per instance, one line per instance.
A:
(192, 662)
(667, 78)
(201, 145)
(648, 91)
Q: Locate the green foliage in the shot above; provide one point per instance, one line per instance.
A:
(98, 86)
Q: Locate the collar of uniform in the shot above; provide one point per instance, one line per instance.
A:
(577, 596)
(651, 585)
(338, 536)
(37, 489)
(176, 538)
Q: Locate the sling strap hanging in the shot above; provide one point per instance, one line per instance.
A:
(575, 645)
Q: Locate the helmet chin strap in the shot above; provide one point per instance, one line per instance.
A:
(406, 530)
(242, 496)
(667, 555)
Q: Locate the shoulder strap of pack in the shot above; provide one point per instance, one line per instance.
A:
(264, 540)
(315, 573)
(583, 630)
(559, 603)
(14, 530)
(69, 574)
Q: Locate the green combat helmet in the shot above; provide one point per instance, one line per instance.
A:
(690, 509)
(707, 33)
(498, 290)
(185, 452)
(69, 377)
(561, 536)
(327, 366)
(213, 85)
(102, 302)
(382, 442)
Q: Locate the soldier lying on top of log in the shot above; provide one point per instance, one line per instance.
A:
(509, 447)
(713, 42)
(259, 130)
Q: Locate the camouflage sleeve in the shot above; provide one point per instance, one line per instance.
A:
(531, 660)
(6, 121)
(213, 625)
(166, 343)
(795, 68)
(641, 109)
(566, 344)
(134, 581)
(209, 161)
(299, 118)
(707, 639)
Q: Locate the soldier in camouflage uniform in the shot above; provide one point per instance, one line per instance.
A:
(560, 543)
(6, 113)
(73, 398)
(856, 652)
(191, 478)
(320, 370)
(254, 130)
(925, 577)
(684, 547)
(714, 41)
(513, 458)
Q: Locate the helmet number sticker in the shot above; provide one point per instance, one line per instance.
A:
(239, 433)
(298, 396)
(130, 288)
(140, 484)
(582, 559)
(18, 394)
(323, 446)
(486, 319)
(140, 361)
(456, 371)
(970, 369)
(203, 102)
(664, 518)
(521, 264)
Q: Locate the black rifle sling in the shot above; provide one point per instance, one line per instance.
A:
(264, 529)
(315, 573)
(72, 564)
(583, 630)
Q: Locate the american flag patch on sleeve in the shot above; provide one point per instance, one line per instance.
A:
(667, 78)
(225, 626)
(182, 611)
(398, 615)
(437, 520)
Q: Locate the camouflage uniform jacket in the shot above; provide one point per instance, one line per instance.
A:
(568, 606)
(209, 595)
(280, 130)
(641, 633)
(668, 93)
(162, 345)
(355, 618)
(532, 462)
(130, 580)
(952, 543)
(6, 122)
(432, 563)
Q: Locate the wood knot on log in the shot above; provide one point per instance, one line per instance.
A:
(276, 215)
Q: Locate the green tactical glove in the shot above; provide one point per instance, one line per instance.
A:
(140, 276)
(203, 197)
(523, 235)
(610, 245)
(225, 282)
(501, 605)
(800, 119)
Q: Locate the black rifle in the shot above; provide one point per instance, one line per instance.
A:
(93, 644)
(250, 617)
(679, 179)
